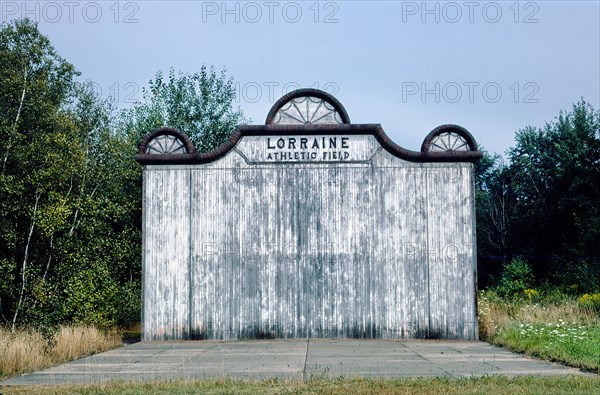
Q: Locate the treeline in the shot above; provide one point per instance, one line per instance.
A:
(70, 191)
(541, 207)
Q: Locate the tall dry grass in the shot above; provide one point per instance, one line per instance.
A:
(24, 351)
(495, 314)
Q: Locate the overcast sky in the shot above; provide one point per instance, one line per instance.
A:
(491, 67)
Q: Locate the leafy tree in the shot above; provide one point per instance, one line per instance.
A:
(199, 104)
(494, 215)
(70, 191)
(69, 208)
(556, 197)
(100, 252)
(544, 205)
(38, 157)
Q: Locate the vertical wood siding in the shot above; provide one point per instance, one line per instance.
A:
(166, 252)
(380, 249)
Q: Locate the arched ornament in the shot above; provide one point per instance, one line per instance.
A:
(449, 141)
(307, 107)
(449, 138)
(166, 141)
(166, 144)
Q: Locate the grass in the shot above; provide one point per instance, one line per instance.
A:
(560, 331)
(24, 351)
(485, 385)
(553, 329)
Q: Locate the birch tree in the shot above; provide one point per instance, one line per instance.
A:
(36, 153)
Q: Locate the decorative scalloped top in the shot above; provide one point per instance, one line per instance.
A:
(309, 112)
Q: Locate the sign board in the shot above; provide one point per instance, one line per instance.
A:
(307, 149)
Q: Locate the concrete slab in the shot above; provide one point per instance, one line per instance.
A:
(294, 360)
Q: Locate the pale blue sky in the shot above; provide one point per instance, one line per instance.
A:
(494, 66)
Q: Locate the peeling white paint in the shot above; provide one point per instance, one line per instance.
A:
(377, 247)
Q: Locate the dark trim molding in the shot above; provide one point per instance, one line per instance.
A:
(193, 157)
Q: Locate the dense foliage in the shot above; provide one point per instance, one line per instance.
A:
(69, 225)
(199, 104)
(70, 191)
(543, 206)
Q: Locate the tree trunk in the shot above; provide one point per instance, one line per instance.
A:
(16, 121)
(25, 257)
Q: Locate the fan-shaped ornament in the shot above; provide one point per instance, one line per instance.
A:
(449, 141)
(166, 144)
(307, 110)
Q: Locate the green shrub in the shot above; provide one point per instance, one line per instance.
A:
(515, 279)
(576, 277)
(590, 302)
(129, 304)
(90, 297)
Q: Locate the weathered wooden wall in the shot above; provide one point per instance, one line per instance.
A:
(245, 248)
